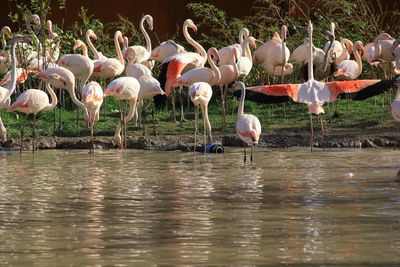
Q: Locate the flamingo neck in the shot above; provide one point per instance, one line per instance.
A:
(118, 48)
(53, 97)
(84, 50)
(311, 63)
(357, 57)
(92, 47)
(244, 32)
(283, 46)
(71, 91)
(11, 86)
(246, 52)
(195, 44)
(146, 35)
(241, 102)
(3, 40)
(215, 69)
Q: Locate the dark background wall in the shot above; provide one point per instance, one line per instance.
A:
(167, 14)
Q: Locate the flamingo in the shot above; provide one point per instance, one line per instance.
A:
(225, 52)
(96, 55)
(68, 83)
(200, 93)
(92, 98)
(229, 74)
(174, 65)
(134, 69)
(202, 74)
(248, 126)
(143, 54)
(5, 93)
(34, 101)
(277, 56)
(54, 47)
(165, 50)
(245, 62)
(21, 74)
(80, 65)
(123, 88)
(339, 50)
(351, 69)
(106, 68)
(149, 87)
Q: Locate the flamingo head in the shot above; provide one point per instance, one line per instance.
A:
(252, 41)
(190, 24)
(35, 19)
(119, 36)
(78, 43)
(149, 20)
(340, 72)
(284, 31)
(55, 76)
(130, 55)
(6, 31)
(90, 33)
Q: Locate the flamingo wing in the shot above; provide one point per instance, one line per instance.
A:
(271, 94)
(358, 89)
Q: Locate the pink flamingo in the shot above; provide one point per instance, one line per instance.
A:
(165, 50)
(67, 83)
(5, 93)
(225, 53)
(123, 88)
(134, 69)
(245, 62)
(96, 54)
(201, 74)
(107, 68)
(80, 65)
(248, 126)
(34, 101)
(174, 65)
(149, 87)
(143, 54)
(20, 73)
(229, 74)
(92, 98)
(188, 60)
(351, 69)
(200, 93)
(275, 54)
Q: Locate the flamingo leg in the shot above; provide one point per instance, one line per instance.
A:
(251, 153)
(181, 100)
(244, 150)
(322, 131)
(33, 133)
(124, 126)
(173, 106)
(196, 119)
(205, 129)
(222, 89)
(60, 111)
(154, 123)
(311, 132)
(92, 135)
(22, 134)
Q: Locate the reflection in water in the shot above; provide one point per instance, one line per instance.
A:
(151, 208)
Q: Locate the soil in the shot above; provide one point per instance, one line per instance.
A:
(185, 142)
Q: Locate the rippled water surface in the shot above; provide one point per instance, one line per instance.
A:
(142, 208)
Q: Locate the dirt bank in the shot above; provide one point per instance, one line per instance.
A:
(185, 142)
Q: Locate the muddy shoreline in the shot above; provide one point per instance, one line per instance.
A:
(185, 142)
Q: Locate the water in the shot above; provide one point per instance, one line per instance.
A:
(142, 208)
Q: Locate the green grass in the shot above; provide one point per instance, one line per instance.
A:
(359, 117)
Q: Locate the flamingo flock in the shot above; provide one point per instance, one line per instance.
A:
(128, 75)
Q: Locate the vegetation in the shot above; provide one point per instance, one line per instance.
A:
(356, 19)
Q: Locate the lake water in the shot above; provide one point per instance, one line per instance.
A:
(144, 208)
